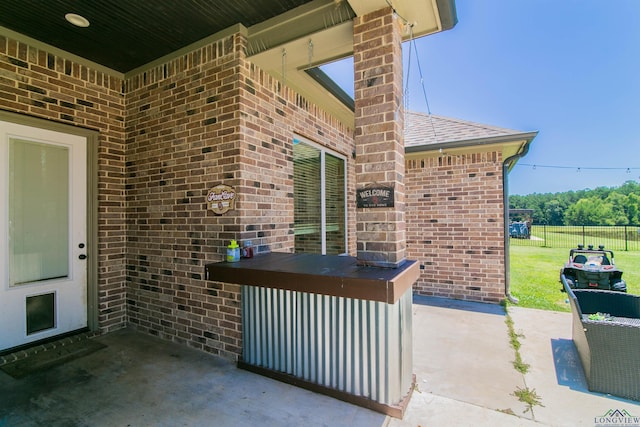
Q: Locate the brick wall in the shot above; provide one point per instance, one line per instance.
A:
(167, 135)
(204, 119)
(455, 225)
(182, 126)
(41, 84)
(379, 136)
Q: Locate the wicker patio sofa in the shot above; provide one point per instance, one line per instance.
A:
(609, 349)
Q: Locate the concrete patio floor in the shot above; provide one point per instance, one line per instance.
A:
(462, 362)
(465, 374)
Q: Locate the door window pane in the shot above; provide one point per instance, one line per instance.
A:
(38, 211)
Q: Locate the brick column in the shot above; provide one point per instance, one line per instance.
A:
(379, 125)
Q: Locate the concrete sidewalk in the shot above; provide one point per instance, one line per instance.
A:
(463, 365)
(462, 362)
(556, 372)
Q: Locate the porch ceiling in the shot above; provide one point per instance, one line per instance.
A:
(126, 35)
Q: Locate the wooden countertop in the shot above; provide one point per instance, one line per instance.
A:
(333, 275)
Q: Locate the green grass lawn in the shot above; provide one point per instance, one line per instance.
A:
(535, 275)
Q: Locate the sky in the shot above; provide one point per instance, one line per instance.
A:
(569, 69)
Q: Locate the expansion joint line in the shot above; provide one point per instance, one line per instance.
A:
(525, 395)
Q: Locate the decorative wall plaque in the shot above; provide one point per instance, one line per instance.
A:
(221, 199)
(375, 196)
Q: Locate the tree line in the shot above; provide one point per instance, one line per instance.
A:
(600, 206)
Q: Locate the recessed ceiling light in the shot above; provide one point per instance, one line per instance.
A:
(77, 20)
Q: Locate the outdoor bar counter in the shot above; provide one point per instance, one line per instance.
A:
(327, 324)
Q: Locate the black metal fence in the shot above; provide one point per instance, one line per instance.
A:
(614, 237)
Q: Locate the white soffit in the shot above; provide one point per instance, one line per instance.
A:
(422, 14)
(288, 62)
(320, 32)
(287, 45)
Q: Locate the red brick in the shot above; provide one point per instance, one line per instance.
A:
(461, 245)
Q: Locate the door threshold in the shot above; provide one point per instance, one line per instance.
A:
(19, 352)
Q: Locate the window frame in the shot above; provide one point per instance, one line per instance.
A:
(323, 189)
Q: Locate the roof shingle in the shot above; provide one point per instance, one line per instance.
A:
(427, 129)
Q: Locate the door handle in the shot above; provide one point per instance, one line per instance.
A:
(82, 256)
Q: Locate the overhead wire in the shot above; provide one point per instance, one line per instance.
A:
(413, 46)
(577, 168)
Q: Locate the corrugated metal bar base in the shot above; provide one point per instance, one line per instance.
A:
(351, 349)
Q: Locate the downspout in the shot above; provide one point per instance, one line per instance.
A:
(506, 165)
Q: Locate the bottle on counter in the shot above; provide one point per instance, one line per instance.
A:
(247, 249)
(233, 252)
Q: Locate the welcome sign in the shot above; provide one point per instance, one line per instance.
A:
(375, 197)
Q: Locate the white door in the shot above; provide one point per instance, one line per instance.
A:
(43, 274)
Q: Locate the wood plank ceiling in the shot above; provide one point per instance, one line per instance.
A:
(126, 34)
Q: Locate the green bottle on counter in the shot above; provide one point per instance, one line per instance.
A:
(233, 252)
